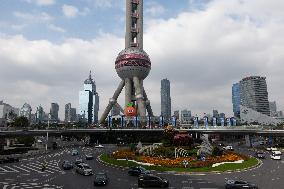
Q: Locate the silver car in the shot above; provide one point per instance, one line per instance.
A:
(84, 169)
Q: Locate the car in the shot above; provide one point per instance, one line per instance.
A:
(75, 152)
(136, 171)
(78, 161)
(275, 156)
(260, 155)
(148, 180)
(277, 152)
(99, 146)
(228, 148)
(238, 184)
(84, 169)
(101, 179)
(271, 149)
(67, 165)
(89, 157)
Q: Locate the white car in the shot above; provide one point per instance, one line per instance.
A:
(271, 149)
(277, 152)
(99, 146)
(275, 157)
(228, 148)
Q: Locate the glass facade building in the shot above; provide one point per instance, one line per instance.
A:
(89, 101)
(236, 99)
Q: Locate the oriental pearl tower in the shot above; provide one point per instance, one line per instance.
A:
(132, 64)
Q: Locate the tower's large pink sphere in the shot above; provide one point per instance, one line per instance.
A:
(133, 62)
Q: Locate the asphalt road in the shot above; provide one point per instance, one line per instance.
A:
(27, 174)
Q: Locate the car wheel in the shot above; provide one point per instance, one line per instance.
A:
(163, 185)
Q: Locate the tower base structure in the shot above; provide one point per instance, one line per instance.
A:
(135, 93)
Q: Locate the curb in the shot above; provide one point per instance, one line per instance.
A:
(259, 164)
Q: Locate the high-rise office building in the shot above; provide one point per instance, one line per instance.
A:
(67, 112)
(89, 101)
(54, 109)
(26, 111)
(236, 99)
(215, 113)
(166, 99)
(73, 115)
(185, 116)
(273, 109)
(176, 114)
(39, 114)
(115, 111)
(7, 113)
(254, 95)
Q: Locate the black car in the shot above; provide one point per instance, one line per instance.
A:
(78, 161)
(67, 165)
(136, 171)
(238, 184)
(152, 181)
(89, 157)
(100, 179)
(260, 155)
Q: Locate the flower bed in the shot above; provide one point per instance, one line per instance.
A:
(178, 162)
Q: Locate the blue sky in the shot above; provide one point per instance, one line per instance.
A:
(45, 19)
(48, 47)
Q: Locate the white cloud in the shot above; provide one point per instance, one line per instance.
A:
(154, 9)
(56, 28)
(35, 17)
(70, 11)
(201, 52)
(41, 2)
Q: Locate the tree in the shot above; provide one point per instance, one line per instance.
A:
(21, 122)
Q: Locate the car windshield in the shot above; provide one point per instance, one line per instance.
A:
(100, 176)
(86, 167)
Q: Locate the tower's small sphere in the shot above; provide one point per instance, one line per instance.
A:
(133, 62)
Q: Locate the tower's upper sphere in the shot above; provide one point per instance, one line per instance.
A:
(133, 62)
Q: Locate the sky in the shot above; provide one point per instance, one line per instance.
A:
(48, 47)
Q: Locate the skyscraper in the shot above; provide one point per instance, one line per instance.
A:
(54, 111)
(67, 112)
(89, 101)
(166, 99)
(236, 99)
(39, 114)
(254, 95)
(273, 109)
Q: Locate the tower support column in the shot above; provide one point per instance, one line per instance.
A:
(128, 91)
(112, 101)
(139, 97)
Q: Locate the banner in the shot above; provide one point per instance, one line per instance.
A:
(122, 121)
(109, 121)
(195, 122)
(222, 121)
(205, 120)
(174, 121)
(234, 121)
(149, 121)
(228, 122)
(161, 123)
(214, 122)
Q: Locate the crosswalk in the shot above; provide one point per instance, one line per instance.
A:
(29, 167)
(6, 185)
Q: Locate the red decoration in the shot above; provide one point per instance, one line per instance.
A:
(130, 111)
